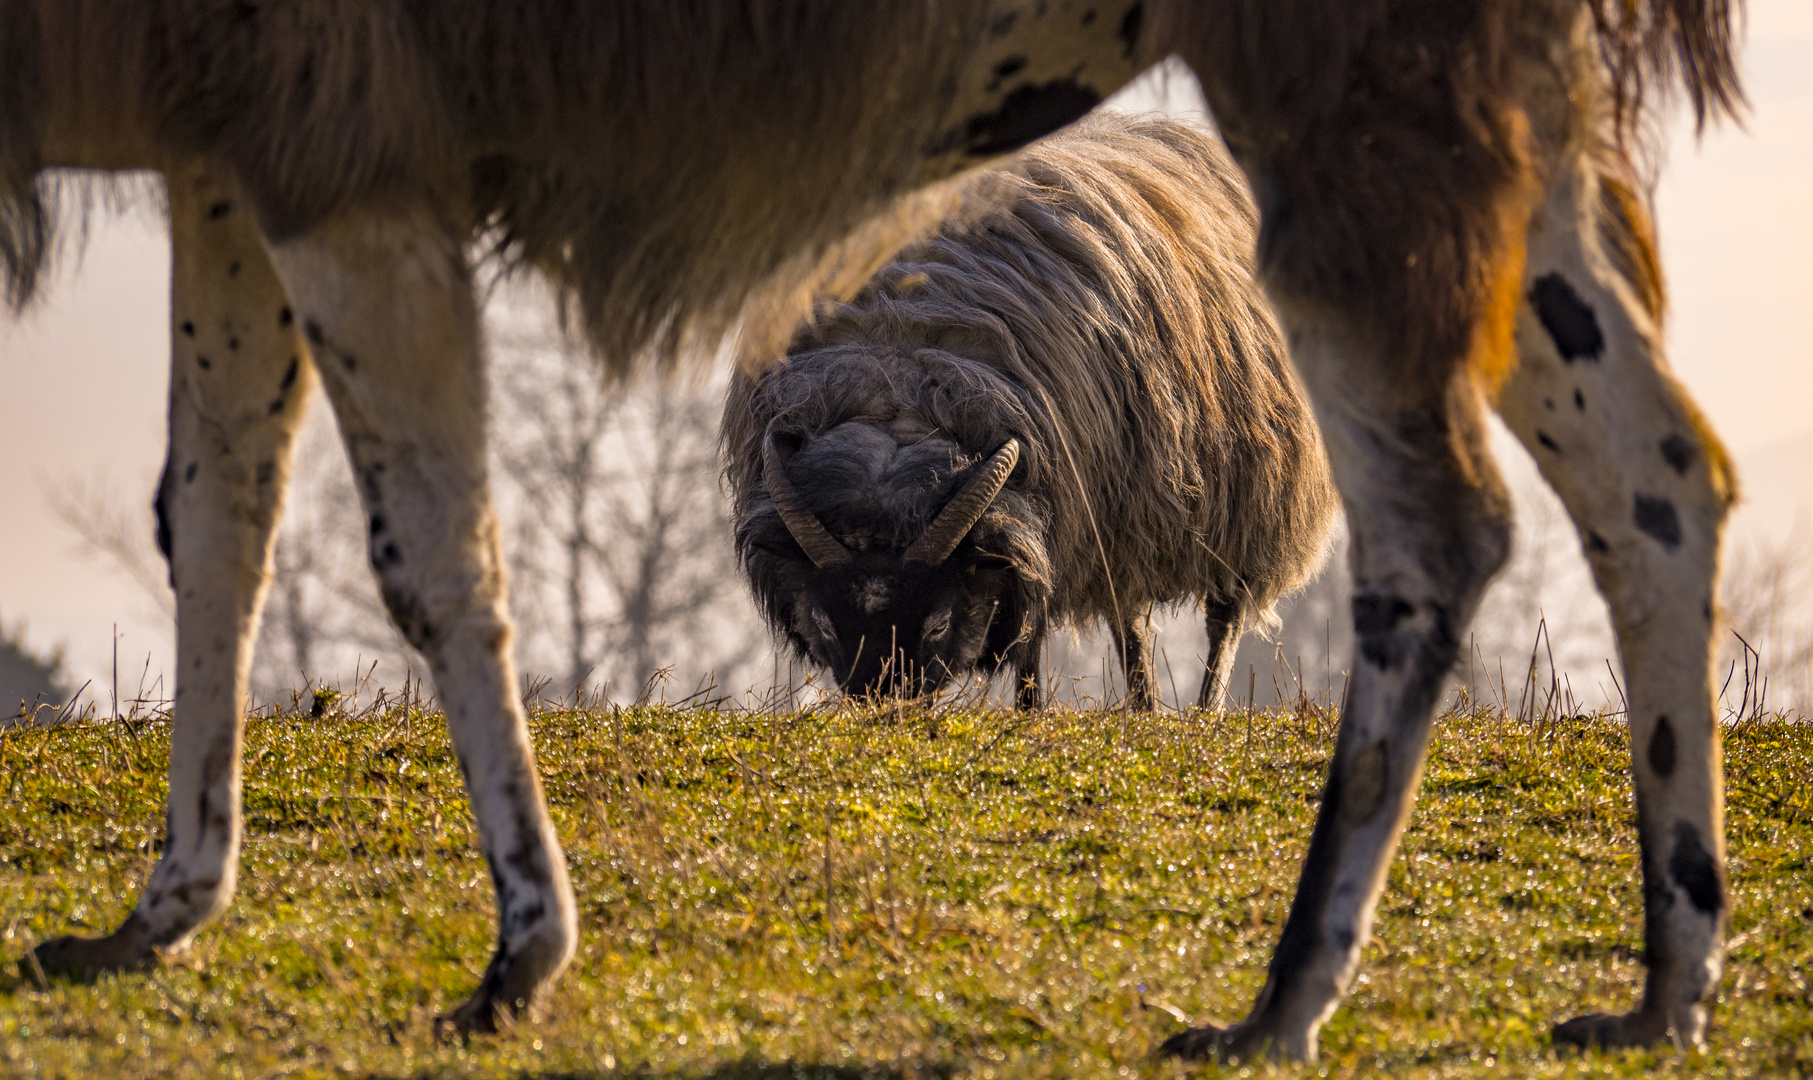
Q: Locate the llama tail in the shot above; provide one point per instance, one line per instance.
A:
(1653, 46)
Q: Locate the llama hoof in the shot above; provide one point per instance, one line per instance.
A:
(1614, 1031)
(510, 985)
(480, 1015)
(1245, 1041)
(126, 949)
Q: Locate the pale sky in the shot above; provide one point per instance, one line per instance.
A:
(83, 375)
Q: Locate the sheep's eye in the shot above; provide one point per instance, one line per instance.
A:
(937, 626)
(822, 623)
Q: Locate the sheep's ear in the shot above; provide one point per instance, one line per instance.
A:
(782, 546)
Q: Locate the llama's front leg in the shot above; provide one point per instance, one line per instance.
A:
(1648, 487)
(1133, 641)
(1430, 524)
(1224, 619)
(239, 383)
(388, 308)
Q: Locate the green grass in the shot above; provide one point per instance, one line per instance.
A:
(1000, 896)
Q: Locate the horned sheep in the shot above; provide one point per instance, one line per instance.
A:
(1068, 406)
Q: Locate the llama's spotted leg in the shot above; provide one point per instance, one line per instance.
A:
(1648, 487)
(1224, 619)
(1133, 641)
(1429, 522)
(388, 308)
(239, 384)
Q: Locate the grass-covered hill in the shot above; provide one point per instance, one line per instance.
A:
(883, 894)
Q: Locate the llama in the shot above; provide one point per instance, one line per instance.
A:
(1450, 221)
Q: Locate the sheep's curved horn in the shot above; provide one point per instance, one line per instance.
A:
(813, 538)
(960, 515)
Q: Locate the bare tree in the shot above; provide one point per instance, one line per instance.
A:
(119, 531)
(32, 684)
(1766, 662)
(553, 422)
(324, 623)
(620, 539)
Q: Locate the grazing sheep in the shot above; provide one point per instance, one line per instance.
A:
(1071, 405)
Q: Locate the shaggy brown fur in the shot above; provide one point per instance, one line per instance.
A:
(1107, 317)
(1389, 150)
(651, 157)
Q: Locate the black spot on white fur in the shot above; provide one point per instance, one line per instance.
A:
(1693, 868)
(1008, 68)
(160, 506)
(410, 616)
(1656, 518)
(1375, 620)
(1662, 749)
(1025, 114)
(1132, 24)
(1680, 453)
(1547, 443)
(1570, 322)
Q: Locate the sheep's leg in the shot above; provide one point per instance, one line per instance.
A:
(387, 304)
(239, 385)
(1648, 486)
(1029, 692)
(1224, 619)
(1430, 524)
(1133, 640)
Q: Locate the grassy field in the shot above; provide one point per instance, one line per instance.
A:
(884, 894)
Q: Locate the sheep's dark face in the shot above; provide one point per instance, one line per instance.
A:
(913, 591)
(882, 625)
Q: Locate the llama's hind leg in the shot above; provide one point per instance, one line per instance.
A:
(387, 304)
(1648, 488)
(1430, 524)
(1133, 641)
(1223, 619)
(239, 384)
